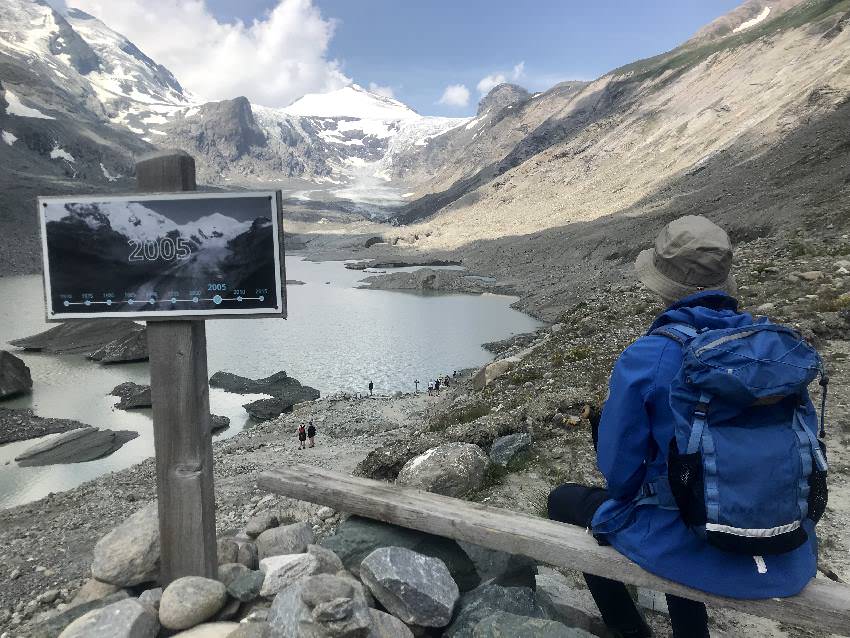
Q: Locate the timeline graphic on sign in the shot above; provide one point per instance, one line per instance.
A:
(145, 256)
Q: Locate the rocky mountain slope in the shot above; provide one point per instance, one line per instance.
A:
(604, 146)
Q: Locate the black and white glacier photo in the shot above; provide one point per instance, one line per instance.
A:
(433, 319)
(162, 254)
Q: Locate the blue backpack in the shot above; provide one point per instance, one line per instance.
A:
(745, 466)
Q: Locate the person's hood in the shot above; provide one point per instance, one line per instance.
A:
(710, 309)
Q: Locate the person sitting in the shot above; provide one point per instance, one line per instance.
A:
(689, 268)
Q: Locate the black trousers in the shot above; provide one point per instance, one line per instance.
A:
(576, 504)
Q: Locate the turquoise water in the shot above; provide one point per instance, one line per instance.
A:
(337, 337)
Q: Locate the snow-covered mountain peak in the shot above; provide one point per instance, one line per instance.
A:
(351, 101)
(124, 71)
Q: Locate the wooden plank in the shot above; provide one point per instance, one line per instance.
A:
(180, 397)
(823, 604)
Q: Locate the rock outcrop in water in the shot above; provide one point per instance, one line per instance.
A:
(15, 378)
(23, 424)
(133, 396)
(427, 279)
(133, 347)
(284, 390)
(76, 446)
(106, 340)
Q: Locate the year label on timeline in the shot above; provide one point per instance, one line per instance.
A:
(164, 248)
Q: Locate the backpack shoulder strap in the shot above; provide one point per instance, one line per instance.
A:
(679, 332)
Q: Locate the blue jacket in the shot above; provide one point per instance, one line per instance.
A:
(634, 434)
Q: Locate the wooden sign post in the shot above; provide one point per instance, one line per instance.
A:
(171, 257)
(181, 412)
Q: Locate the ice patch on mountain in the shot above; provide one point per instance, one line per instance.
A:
(751, 23)
(61, 153)
(109, 176)
(8, 137)
(16, 107)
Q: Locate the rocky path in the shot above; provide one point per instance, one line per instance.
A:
(46, 546)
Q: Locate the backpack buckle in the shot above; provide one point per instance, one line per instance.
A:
(701, 410)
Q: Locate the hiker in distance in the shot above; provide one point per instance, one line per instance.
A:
(371, 387)
(302, 437)
(700, 411)
(311, 434)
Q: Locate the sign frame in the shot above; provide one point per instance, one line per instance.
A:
(52, 315)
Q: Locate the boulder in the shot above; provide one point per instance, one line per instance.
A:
(91, 590)
(218, 423)
(133, 396)
(15, 378)
(151, 598)
(452, 469)
(248, 555)
(386, 626)
(124, 619)
(242, 583)
(279, 385)
(52, 626)
(568, 604)
(22, 424)
(320, 606)
(267, 409)
(287, 539)
(507, 448)
(504, 625)
(260, 522)
(358, 537)
(84, 336)
(77, 446)
(487, 599)
(132, 347)
(209, 630)
(286, 570)
(415, 588)
(129, 554)
(227, 551)
(190, 600)
(328, 561)
(492, 371)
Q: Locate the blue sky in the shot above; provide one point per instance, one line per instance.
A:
(419, 47)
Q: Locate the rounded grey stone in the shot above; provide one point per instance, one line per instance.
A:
(288, 539)
(191, 600)
(129, 554)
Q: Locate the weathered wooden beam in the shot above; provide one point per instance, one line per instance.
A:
(180, 397)
(823, 604)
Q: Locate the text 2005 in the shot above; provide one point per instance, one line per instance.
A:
(164, 248)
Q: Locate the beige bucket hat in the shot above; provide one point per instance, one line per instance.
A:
(690, 254)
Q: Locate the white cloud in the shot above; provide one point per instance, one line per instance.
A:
(386, 91)
(273, 61)
(489, 82)
(455, 95)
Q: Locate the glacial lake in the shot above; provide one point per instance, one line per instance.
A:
(337, 337)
